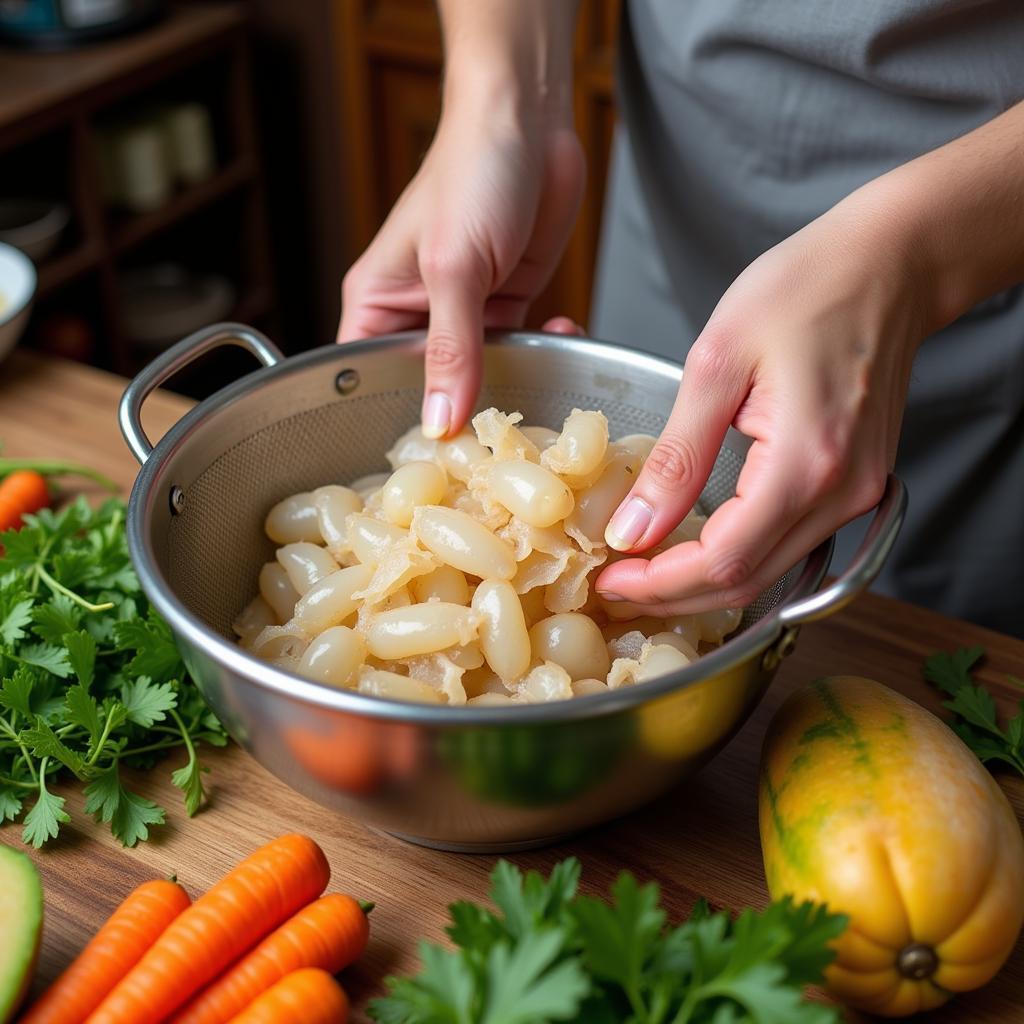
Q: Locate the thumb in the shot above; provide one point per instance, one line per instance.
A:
(680, 463)
(453, 357)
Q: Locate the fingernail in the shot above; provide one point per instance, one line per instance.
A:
(629, 524)
(437, 416)
(607, 595)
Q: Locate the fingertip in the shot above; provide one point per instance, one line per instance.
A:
(437, 415)
(629, 524)
(563, 325)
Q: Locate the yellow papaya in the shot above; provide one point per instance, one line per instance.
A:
(872, 805)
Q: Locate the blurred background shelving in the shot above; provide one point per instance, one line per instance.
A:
(58, 113)
(318, 112)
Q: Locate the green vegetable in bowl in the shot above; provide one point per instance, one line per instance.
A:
(90, 678)
(549, 954)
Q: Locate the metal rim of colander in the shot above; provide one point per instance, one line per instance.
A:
(229, 656)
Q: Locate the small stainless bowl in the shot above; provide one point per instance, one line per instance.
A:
(456, 778)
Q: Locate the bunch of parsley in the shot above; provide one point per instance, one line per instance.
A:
(90, 679)
(552, 955)
(975, 721)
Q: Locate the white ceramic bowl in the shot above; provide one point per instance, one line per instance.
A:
(34, 226)
(17, 289)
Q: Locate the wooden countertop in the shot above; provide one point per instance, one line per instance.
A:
(701, 840)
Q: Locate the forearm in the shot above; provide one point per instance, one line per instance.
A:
(958, 214)
(510, 58)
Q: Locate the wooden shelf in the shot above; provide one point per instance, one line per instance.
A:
(199, 47)
(37, 88)
(132, 230)
(60, 270)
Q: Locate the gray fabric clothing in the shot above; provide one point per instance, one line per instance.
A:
(745, 120)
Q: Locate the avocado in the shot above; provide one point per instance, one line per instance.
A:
(21, 923)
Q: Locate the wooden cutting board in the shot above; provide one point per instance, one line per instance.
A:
(699, 841)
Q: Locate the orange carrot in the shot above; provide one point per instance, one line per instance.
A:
(262, 891)
(329, 933)
(21, 492)
(110, 955)
(309, 996)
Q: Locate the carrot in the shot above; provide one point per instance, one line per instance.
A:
(56, 467)
(22, 492)
(329, 933)
(309, 996)
(129, 931)
(262, 891)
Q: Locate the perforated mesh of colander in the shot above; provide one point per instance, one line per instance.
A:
(216, 546)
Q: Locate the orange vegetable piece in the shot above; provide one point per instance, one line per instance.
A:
(264, 890)
(329, 933)
(22, 492)
(111, 953)
(309, 996)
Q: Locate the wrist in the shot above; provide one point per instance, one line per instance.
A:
(510, 62)
(896, 242)
(507, 90)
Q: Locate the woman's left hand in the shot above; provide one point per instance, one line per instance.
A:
(809, 354)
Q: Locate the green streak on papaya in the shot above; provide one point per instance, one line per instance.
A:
(827, 730)
(792, 849)
(897, 724)
(845, 727)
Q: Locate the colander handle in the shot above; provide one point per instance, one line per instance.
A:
(176, 358)
(865, 566)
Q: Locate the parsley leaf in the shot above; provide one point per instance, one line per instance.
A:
(44, 742)
(49, 657)
(89, 676)
(525, 984)
(82, 709)
(189, 778)
(56, 618)
(951, 671)
(976, 721)
(81, 648)
(129, 814)
(43, 821)
(550, 955)
(10, 804)
(15, 618)
(156, 657)
(16, 692)
(147, 703)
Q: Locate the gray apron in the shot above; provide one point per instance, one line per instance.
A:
(745, 120)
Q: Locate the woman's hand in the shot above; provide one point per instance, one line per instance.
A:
(472, 241)
(808, 353)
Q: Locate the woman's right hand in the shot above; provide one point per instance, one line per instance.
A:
(470, 243)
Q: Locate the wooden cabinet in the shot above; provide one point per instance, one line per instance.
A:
(389, 60)
(53, 109)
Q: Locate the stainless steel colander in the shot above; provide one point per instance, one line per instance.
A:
(456, 778)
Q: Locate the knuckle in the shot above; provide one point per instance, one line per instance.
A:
(672, 461)
(728, 570)
(445, 354)
(439, 263)
(351, 285)
(712, 357)
(867, 492)
(825, 473)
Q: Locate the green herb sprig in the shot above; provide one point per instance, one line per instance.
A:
(90, 679)
(549, 954)
(976, 721)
